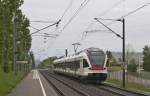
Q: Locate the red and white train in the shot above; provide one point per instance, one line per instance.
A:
(89, 64)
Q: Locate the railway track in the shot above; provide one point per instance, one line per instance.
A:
(120, 91)
(89, 89)
(63, 89)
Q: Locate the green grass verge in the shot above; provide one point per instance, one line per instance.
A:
(130, 86)
(7, 82)
(114, 68)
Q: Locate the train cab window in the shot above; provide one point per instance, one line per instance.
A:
(97, 57)
(85, 64)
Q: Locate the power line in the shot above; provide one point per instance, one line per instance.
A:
(91, 31)
(107, 11)
(102, 14)
(52, 36)
(81, 6)
(40, 21)
(34, 27)
(49, 34)
(56, 23)
(84, 3)
(132, 12)
(68, 7)
(66, 10)
(111, 8)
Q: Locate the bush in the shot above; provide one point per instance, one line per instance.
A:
(132, 67)
(146, 58)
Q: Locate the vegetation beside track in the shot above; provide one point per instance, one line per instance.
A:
(8, 10)
(7, 82)
(47, 61)
(130, 86)
(114, 68)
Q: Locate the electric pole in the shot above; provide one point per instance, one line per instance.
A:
(123, 45)
(66, 52)
(14, 45)
(123, 50)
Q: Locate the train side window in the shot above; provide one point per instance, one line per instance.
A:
(72, 65)
(68, 65)
(85, 64)
(75, 65)
(54, 65)
(63, 65)
(78, 64)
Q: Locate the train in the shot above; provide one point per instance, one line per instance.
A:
(87, 65)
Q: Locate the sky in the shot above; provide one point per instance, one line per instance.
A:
(137, 25)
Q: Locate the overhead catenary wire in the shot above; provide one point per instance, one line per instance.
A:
(101, 14)
(56, 23)
(107, 11)
(127, 14)
(111, 8)
(113, 20)
(66, 10)
(41, 21)
(137, 9)
(34, 28)
(83, 4)
(52, 36)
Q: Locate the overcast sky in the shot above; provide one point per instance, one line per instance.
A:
(137, 25)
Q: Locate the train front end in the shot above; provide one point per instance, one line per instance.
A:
(97, 62)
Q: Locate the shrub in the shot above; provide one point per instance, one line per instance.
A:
(132, 67)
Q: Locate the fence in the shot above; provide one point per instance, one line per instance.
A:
(132, 79)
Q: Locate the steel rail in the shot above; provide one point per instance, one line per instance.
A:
(53, 85)
(120, 91)
(76, 90)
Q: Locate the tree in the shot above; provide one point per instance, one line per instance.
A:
(146, 58)
(33, 60)
(111, 59)
(48, 61)
(129, 53)
(132, 66)
(7, 9)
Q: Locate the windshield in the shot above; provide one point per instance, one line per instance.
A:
(96, 57)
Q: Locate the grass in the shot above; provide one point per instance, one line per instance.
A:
(130, 86)
(114, 68)
(7, 82)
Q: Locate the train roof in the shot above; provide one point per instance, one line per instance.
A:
(78, 56)
(70, 58)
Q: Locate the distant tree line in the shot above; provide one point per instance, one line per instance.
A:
(146, 58)
(9, 8)
(111, 59)
(48, 61)
(146, 61)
